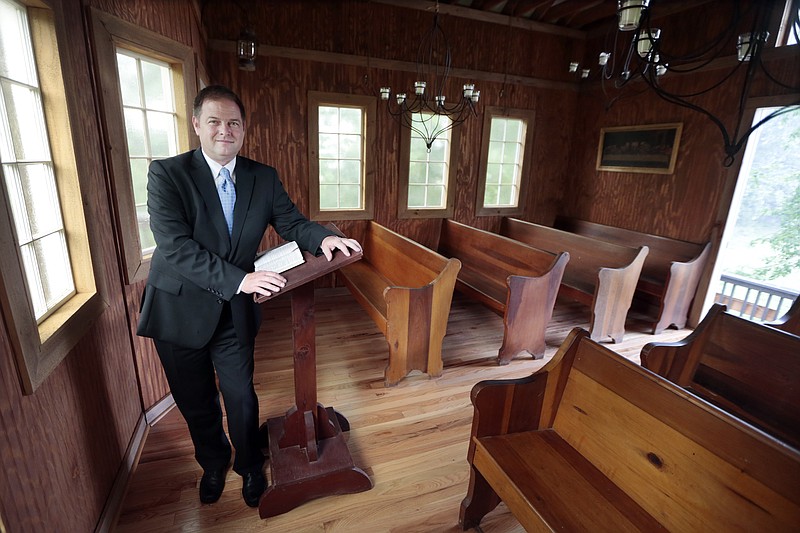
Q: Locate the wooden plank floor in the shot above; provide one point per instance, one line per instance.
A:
(411, 439)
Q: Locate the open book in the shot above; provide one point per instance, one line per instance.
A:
(280, 258)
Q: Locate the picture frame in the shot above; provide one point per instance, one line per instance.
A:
(651, 149)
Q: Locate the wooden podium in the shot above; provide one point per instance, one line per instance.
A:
(308, 454)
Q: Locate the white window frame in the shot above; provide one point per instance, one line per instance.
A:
(527, 116)
(39, 346)
(367, 105)
(111, 33)
(403, 209)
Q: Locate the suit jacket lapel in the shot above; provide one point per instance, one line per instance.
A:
(204, 182)
(245, 182)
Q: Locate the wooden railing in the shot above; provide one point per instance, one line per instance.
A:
(754, 300)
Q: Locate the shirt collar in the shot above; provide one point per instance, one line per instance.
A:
(216, 167)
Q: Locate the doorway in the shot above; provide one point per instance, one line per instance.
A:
(757, 274)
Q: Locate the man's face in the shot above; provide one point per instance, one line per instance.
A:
(220, 128)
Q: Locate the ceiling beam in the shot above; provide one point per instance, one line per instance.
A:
(485, 16)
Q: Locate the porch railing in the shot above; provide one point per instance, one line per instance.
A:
(753, 299)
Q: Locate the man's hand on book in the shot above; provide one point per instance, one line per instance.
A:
(262, 282)
(334, 242)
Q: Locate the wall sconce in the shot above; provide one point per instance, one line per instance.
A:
(585, 73)
(573, 66)
(246, 48)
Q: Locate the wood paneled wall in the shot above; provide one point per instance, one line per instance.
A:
(62, 447)
(276, 94)
(685, 204)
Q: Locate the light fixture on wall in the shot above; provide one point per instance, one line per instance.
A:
(646, 58)
(246, 50)
(428, 98)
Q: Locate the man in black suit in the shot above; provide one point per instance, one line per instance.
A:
(198, 302)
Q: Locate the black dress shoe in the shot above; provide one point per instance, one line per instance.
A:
(253, 486)
(211, 485)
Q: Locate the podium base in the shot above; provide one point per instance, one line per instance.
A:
(297, 480)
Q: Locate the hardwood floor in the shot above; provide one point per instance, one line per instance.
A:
(410, 439)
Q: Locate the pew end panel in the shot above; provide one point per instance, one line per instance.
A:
(790, 322)
(678, 291)
(407, 290)
(528, 310)
(670, 275)
(516, 281)
(613, 298)
(600, 274)
(747, 369)
(609, 446)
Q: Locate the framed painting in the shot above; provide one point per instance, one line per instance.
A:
(652, 148)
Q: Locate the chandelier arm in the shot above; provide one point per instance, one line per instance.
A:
(683, 103)
(725, 78)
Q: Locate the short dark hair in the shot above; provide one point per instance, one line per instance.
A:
(215, 92)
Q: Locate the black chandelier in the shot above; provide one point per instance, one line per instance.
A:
(428, 113)
(649, 60)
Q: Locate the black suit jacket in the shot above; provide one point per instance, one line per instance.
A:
(196, 266)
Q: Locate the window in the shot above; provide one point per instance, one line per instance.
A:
(151, 126)
(504, 156)
(147, 110)
(49, 294)
(426, 174)
(341, 141)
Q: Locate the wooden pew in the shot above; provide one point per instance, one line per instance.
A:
(790, 322)
(407, 290)
(743, 367)
(518, 282)
(600, 274)
(594, 442)
(671, 271)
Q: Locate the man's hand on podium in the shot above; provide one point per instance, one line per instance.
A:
(334, 242)
(262, 282)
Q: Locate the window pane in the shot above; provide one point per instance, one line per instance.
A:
(328, 171)
(163, 137)
(16, 59)
(328, 119)
(437, 173)
(349, 146)
(439, 150)
(17, 200)
(28, 254)
(490, 197)
(419, 151)
(147, 241)
(350, 120)
(350, 197)
(508, 174)
(328, 145)
(128, 80)
(495, 152)
(328, 196)
(513, 130)
(54, 268)
(157, 82)
(350, 171)
(41, 199)
(493, 173)
(26, 120)
(416, 196)
(510, 151)
(134, 127)
(417, 172)
(435, 197)
(139, 178)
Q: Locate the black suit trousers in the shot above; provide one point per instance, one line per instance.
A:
(192, 380)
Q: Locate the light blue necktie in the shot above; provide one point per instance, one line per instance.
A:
(227, 197)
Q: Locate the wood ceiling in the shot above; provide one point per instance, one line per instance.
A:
(576, 18)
